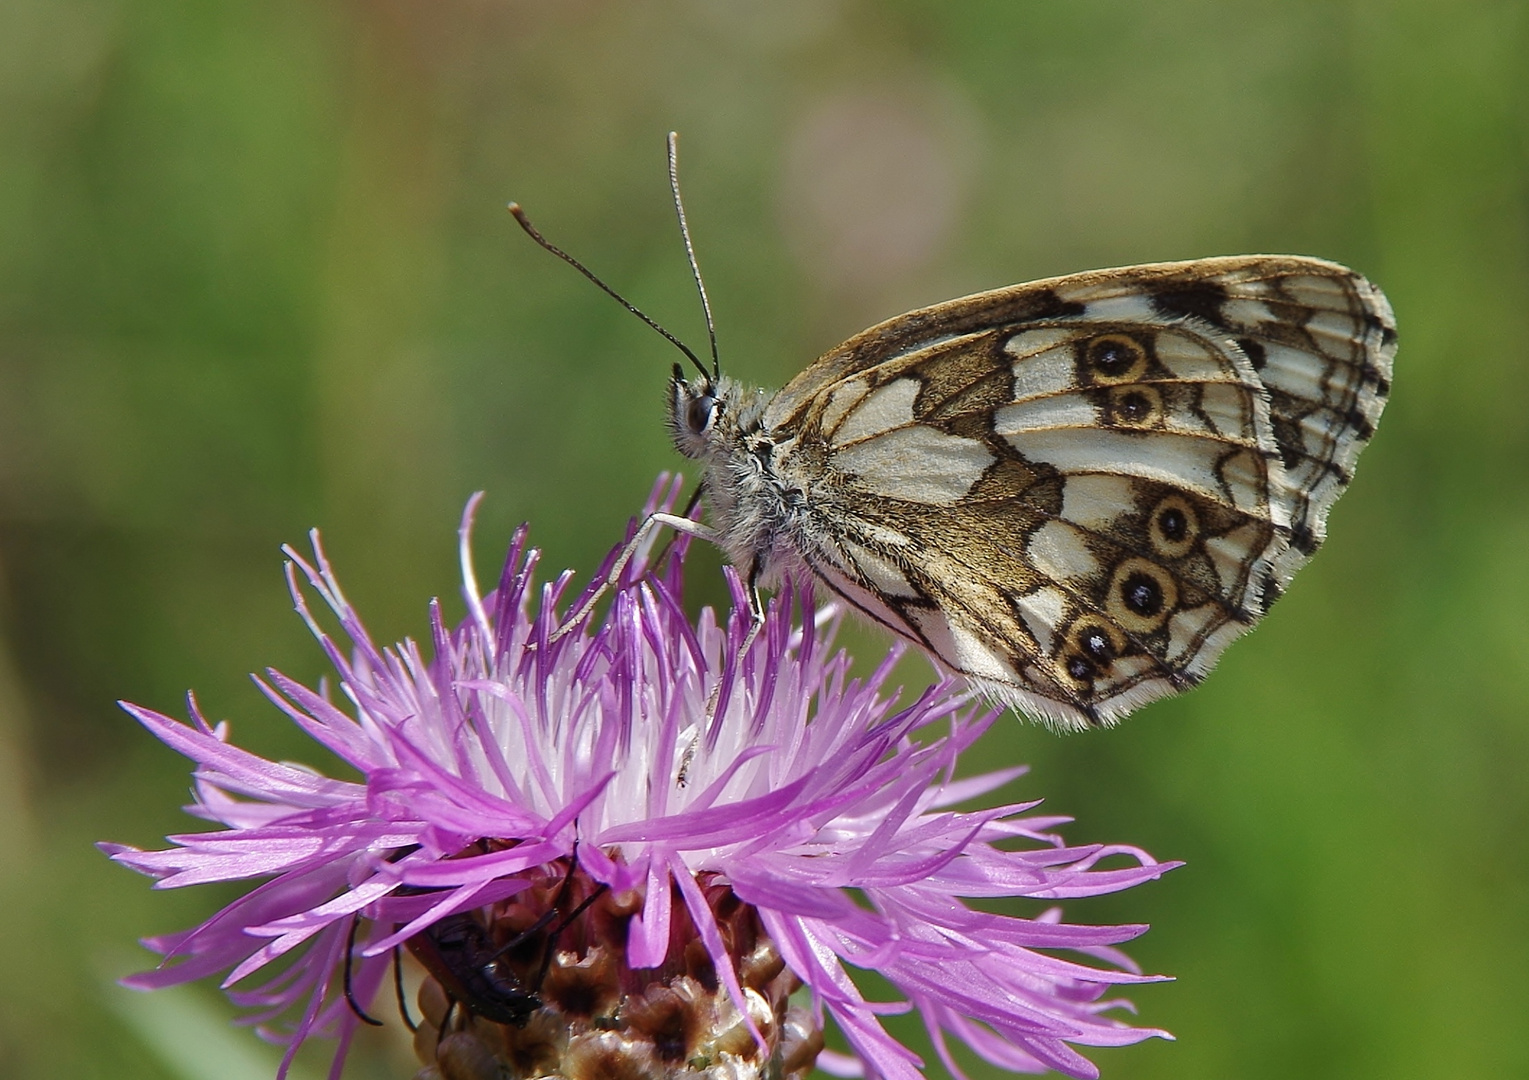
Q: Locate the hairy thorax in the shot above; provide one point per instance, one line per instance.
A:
(762, 488)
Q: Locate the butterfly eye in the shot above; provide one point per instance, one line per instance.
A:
(700, 413)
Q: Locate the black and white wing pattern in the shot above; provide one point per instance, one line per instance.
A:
(1078, 491)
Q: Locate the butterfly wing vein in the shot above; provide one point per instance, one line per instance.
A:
(1078, 491)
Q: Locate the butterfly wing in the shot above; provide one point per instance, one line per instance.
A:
(1078, 491)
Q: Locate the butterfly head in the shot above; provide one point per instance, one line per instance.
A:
(709, 415)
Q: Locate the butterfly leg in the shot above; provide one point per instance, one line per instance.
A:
(639, 539)
(692, 504)
(756, 613)
(714, 699)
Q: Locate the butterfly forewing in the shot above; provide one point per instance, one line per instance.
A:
(1078, 491)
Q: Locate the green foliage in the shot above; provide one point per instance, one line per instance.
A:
(255, 276)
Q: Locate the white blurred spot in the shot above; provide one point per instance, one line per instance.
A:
(874, 183)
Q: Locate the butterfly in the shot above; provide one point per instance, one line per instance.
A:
(1075, 492)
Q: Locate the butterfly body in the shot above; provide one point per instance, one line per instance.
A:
(1075, 492)
(765, 503)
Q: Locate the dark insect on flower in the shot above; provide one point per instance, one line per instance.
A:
(485, 976)
(474, 971)
(621, 849)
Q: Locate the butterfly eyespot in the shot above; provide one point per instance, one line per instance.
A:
(1097, 644)
(1115, 358)
(1175, 527)
(1069, 491)
(1142, 595)
(1136, 406)
(1093, 645)
(1089, 647)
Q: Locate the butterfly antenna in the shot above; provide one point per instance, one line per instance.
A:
(525, 223)
(695, 267)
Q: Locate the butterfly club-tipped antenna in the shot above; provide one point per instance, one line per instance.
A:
(681, 524)
(531, 231)
(695, 267)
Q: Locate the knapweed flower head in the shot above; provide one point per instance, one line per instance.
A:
(646, 845)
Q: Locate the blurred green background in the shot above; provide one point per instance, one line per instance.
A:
(256, 276)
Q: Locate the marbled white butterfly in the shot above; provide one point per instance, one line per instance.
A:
(1075, 492)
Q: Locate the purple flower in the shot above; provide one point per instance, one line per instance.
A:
(631, 825)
